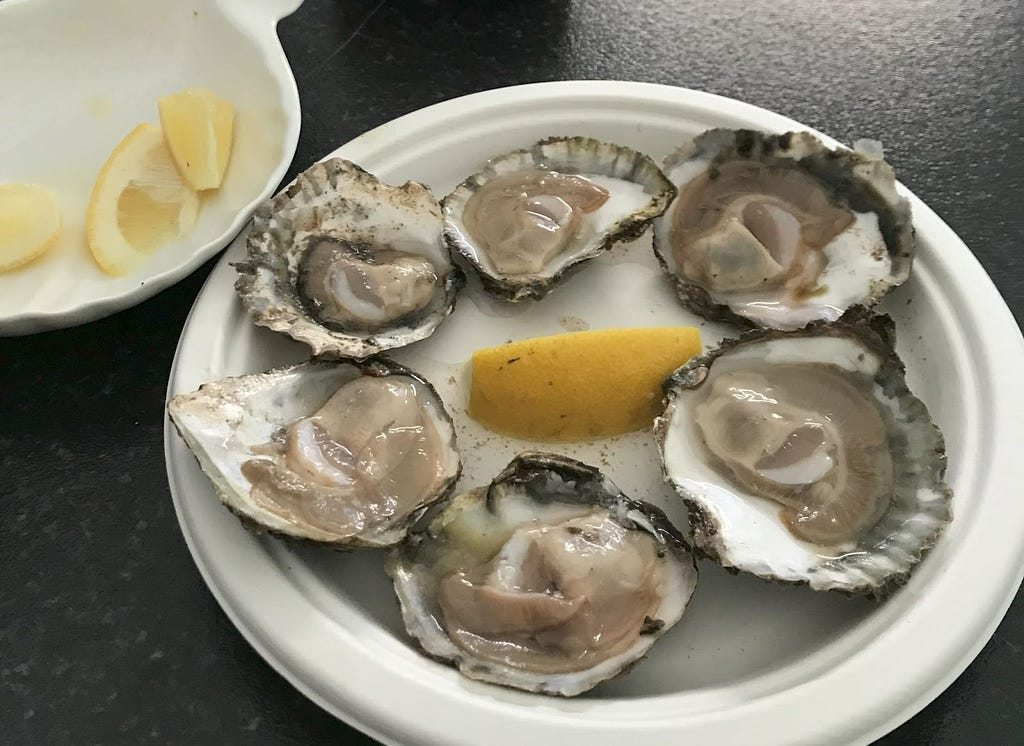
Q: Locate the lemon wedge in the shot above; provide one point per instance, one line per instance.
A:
(198, 127)
(139, 202)
(29, 223)
(578, 386)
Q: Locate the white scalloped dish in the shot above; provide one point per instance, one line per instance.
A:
(87, 73)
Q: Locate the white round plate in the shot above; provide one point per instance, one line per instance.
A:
(750, 661)
(87, 73)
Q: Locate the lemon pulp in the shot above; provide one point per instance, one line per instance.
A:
(139, 202)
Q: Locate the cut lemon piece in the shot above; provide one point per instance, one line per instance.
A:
(139, 202)
(198, 127)
(29, 223)
(578, 386)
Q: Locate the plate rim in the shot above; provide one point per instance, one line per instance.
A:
(1002, 332)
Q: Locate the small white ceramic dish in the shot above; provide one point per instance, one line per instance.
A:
(750, 662)
(78, 76)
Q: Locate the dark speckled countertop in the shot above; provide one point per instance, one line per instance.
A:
(107, 631)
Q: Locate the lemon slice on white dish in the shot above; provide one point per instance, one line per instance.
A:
(198, 128)
(29, 223)
(139, 203)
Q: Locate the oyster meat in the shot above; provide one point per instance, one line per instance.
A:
(348, 454)
(803, 457)
(549, 579)
(533, 216)
(347, 264)
(779, 230)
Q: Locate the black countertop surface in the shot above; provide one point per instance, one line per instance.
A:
(107, 631)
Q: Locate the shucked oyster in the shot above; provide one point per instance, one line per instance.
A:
(549, 579)
(779, 231)
(347, 264)
(534, 215)
(341, 453)
(803, 457)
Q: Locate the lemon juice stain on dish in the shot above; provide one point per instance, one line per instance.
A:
(99, 106)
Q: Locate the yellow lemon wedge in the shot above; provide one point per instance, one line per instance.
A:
(578, 386)
(139, 202)
(29, 223)
(199, 128)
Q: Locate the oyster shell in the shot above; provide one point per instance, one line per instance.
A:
(347, 264)
(533, 216)
(803, 457)
(779, 230)
(342, 453)
(549, 579)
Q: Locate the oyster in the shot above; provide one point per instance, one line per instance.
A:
(347, 264)
(533, 216)
(803, 457)
(342, 453)
(549, 579)
(779, 230)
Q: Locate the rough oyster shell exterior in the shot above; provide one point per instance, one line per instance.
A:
(339, 198)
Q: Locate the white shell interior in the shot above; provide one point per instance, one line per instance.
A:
(224, 420)
(857, 262)
(626, 198)
(751, 535)
(419, 610)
